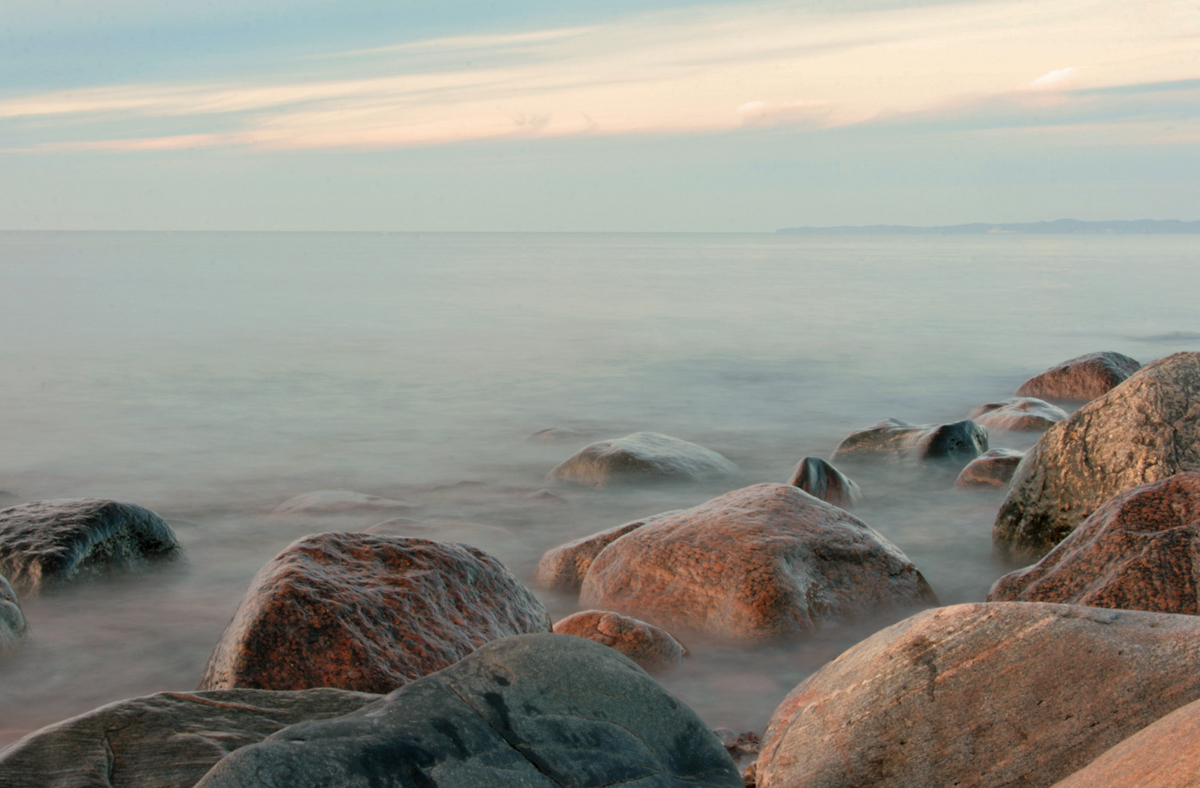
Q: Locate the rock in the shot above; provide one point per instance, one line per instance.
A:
(1081, 379)
(993, 468)
(462, 533)
(987, 694)
(757, 564)
(821, 480)
(647, 645)
(1018, 414)
(166, 740)
(336, 502)
(642, 457)
(961, 441)
(1137, 552)
(540, 711)
(555, 435)
(1144, 430)
(368, 613)
(46, 543)
(12, 620)
(562, 568)
(742, 747)
(545, 496)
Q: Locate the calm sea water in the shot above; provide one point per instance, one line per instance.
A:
(211, 376)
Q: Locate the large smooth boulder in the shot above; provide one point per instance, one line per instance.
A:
(1144, 430)
(337, 502)
(12, 620)
(166, 740)
(46, 543)
(652, 648)
(757, 564)
(961, 441)
(640, 458)
(987, 694)
(562, 568)
(821, 480)
(1081, 379)
(369, 613)
(993, 468)
(537, 711)
(1018, 414)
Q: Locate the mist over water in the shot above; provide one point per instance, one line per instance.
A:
(212, 376)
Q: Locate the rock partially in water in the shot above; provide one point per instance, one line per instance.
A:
(1081, 379)
(12, 620)
(556, 435)
(640, 458)
(993, 468)
(540, 711)
(562, 568)
(46, 543)
(652, 648)
(821, 480)
(982, 695)
(1018, 414)
(337, 502)
(757, 564)
(166, 740)
(368, 613)
(961, 441)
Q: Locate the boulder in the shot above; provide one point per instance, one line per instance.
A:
(540, 711)
(993, 468)
(12, 620)
(367, 612)
(1081, 379)
(1137, 552)
(821, 480)
(1144, 430)
(166, 740)
(757, 564)
(1018, 414)
(986, 694)
(337, 502)
(562, 568)
(647, 645)
(961, 441)
(46, 543)
(642, 457)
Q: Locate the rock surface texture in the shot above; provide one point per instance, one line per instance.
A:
(961, 441)
(652, 648)
(821, 480)
(167, 740)
(562, 568)
(1018, 414)
(12, 620)
(45, 543)
(367, 613)
(1081, 379)
(1144, 430)
(336, 502)
(757, 564)
(642, 457)
(993, 468)
(538, 711)
(989, 694)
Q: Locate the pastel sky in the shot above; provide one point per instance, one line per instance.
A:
(538, 115)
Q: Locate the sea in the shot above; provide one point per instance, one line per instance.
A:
(212, 376)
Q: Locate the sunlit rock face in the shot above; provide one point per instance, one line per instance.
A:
(993, 468)
(1017, 414)
(652, 648)
(1081, 379)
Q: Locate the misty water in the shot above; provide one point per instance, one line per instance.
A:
(212, 376)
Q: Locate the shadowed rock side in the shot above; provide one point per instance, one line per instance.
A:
(12, 620)
(45, 543)
(368, 613)
(647, 645)
(541, 711)
(1145, 430)
(990, 694)
(640, 458)
(760, 563)
(1081, 379)
(167, 740)
(1138, 552)
(961, 441)
(336, 502)
(562, 568)
(1018, 414)
(993, 468)
(821, 480)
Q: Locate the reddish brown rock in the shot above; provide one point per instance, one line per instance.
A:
(1081, 379)
(993, 468)
(982, 695)
(961, 441)
(562, 568)
(647, 645)
(642, 458)
(821, 480)
(760, 563)
(368, 613)
(1018, 414)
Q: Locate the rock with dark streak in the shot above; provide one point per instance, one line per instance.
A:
(993, 468)
(562, 568)
(1018, 414)
(1081, 379)
(821, 480)
(647, 645)
(644, 457)
(12, 620)
(960, 442)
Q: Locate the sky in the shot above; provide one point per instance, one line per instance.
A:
(563, 115)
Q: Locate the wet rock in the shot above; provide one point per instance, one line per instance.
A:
(993, 468)
(12, 620)
(990, 694)
(46, 543)
(543, 711)
(640, 458)
(368, 613)
(167, 740)
(961, 441)
(1081, 379)
(757, 564)
(555, 435)
(821, 480)
(336, 502)
(1145, 430)
(647, 645)
(562, 568)
(742, 747)
(1138, 552)
(1018, 414)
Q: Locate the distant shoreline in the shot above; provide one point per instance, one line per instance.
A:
(1059, 227)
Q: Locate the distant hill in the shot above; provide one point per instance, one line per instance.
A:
(1060, 227)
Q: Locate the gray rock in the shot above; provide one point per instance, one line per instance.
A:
(1018, 414)
(642, 457)
(562, 568)
(961, 441)
(45, 543)
(543, 711)
(12, 620)
(1081, 379)
(821, 480)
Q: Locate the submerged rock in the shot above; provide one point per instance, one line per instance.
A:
(961, 441)
(1018, 414)
(650, 647)
(46, 543)
(562, 568)
(336, 502)
(642, 457)
(1081, 379)
(12, 620)
(821, 480)
(993, 468)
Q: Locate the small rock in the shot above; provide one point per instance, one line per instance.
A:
(336, 501)
(993, 468)
(1018, 414)
(555, 435)
(961, 441)
(1081, 379)
(562, 568)
(642, 457)
(545, 496)
(647, 645)
(821, 480)
(12, 620)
